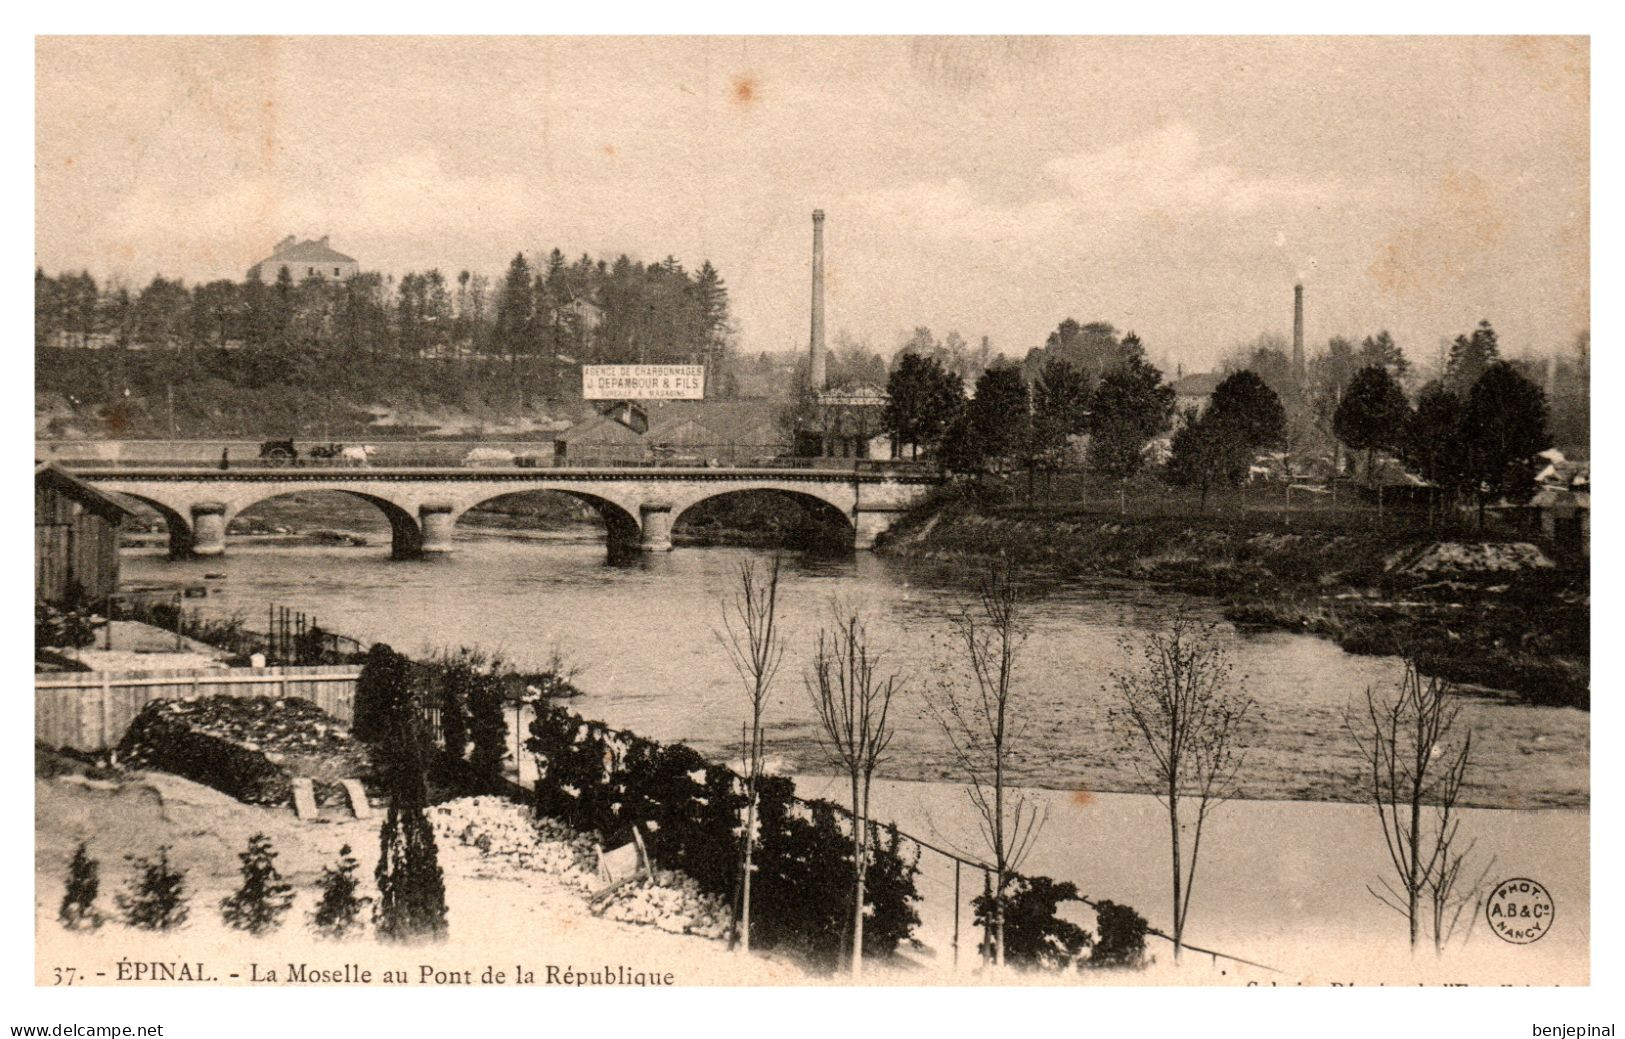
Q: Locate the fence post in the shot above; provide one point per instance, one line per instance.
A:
(107, 694)
(957, 865)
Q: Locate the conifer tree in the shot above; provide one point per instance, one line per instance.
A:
(258, 906)
(338, 914)
(78, 911)
(411, 889)
(155, 899)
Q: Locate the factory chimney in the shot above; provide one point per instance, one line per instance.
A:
(816, 373)
(1297, 332)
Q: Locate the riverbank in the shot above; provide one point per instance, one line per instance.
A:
(1462, 609)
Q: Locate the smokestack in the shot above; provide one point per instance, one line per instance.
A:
(816, 374)
(1297, 331)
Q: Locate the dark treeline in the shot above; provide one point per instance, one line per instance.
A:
(422, 338)
(1089, 399)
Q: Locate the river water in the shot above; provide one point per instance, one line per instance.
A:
(644, 638)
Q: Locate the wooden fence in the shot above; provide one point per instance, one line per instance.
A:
(90, 710)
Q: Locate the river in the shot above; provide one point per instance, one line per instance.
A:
(643, 636)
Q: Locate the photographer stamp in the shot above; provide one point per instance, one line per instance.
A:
(1520, 911)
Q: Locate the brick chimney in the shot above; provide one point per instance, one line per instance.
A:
(1297, 332)
(817, 372)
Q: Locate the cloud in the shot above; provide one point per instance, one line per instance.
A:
(1166, 176)
(232, 225)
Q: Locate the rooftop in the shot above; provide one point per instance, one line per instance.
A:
(311, 250)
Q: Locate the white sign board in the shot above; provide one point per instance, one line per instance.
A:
(643, 381)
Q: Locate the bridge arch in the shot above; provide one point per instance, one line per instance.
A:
(405, 533)
(178, 525)
(621, 525)
(823, 524)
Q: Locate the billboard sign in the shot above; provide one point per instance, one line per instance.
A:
(643, 381)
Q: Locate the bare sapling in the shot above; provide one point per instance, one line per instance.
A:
(852, 701)
(1184, 718)
(751, 636)
(1415, 766)
(978, 709)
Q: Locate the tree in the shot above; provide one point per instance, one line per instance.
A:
(923, 399)
(1035, 935)
(1382, 352)
(1092, 348)
(999, 413)
(338, 914)
(1180, 708)
(155, 898)
(78, 910)
(1433, 439)
(1413, 762)
(264, 897)
(1204, 453)
(488, 728)
(384, 676)
(985, 721)
(411, 890)
(516, 310)
(852, 703)
(1060, 410)
(1373, 415)
(1246, 403)
(1329, 375)
(1503, 427)
(1218, 445)
(751, 637)
(1131, 406)
(1470, 357)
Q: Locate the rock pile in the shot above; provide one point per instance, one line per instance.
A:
(250, 748)
(497, 837)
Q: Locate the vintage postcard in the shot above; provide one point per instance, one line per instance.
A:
(692, 511)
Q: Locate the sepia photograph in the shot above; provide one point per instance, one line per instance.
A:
(664, 512)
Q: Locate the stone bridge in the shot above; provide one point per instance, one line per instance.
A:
(638, 505)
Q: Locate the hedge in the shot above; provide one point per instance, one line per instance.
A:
(596, 778)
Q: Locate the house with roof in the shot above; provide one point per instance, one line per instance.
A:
(1195, 390)
(312, 258)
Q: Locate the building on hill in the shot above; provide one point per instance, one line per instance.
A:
(1195, 390)
(583, 313)
(312, 258)
(75, 539)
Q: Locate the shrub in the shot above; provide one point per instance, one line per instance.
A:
(155, 898)
(78, 911)
(338, 914)
(596, 779)
(72, 628)
(1035, 936)
(258, 906)
(1122, 936)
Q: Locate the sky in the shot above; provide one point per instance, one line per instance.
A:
(1177, 187)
